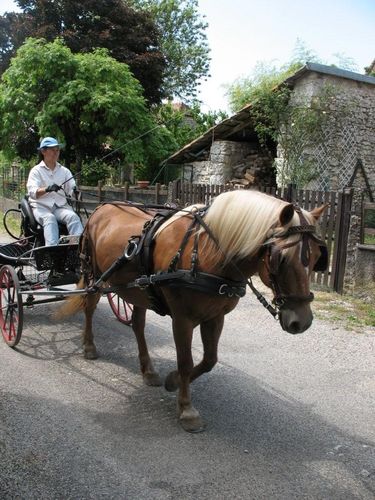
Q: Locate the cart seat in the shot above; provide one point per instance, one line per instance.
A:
(31, 226)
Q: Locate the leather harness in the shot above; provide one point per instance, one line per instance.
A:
(141, 248)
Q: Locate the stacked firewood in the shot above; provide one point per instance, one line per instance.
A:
(256, 170)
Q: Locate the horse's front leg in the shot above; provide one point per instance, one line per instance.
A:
(189, 417)
(150, 376)
(89, 349)
(210, 334)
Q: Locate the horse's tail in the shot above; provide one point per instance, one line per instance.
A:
(72, 304)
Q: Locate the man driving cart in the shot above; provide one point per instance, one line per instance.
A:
(48, 185)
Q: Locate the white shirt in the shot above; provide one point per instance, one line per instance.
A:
(42, 176)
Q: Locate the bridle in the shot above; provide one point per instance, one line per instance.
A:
(272, 254)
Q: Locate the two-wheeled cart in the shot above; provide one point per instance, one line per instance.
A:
(32, 273)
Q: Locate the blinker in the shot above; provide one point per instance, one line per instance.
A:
(322, 263)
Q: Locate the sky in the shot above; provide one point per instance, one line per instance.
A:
(242, 33)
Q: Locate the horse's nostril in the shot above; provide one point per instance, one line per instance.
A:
(294, 327)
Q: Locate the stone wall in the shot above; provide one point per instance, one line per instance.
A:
(350, 134)
(232, 162)
(364, 267)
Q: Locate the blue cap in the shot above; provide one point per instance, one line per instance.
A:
(49, 142)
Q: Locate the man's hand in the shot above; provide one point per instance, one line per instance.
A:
(53, 187)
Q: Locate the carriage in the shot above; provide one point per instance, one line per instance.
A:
(32, 273)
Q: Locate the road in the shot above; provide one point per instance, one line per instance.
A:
(287, 417)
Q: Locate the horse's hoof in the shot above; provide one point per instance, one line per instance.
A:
(171, 382)
(90, 354)
(152, 379)
(192, 424)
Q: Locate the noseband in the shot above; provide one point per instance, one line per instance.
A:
(274, 250)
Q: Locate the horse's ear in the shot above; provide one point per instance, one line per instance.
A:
(286, 214)
(317, 211)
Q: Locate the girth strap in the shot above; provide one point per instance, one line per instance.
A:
(202, 282)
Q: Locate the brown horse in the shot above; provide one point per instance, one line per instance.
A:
(199, 262)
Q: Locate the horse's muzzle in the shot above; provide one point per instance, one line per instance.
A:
(295, 320)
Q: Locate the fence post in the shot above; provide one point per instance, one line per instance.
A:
(100, 192)
(157, 193)
(290, 194)
(173, 191)
(342, 240)
(126, 191)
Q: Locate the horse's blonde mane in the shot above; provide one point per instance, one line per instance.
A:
(241, 221)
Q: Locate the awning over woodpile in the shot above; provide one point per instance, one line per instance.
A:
(238, 127)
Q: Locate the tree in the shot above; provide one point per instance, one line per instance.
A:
(91, 102)
(183, 43)
(130, 36)
(186, 123)
(370, 70)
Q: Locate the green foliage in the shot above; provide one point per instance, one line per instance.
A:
(93, 171)
(369, 219)
(186, 123)
(265, 78)
(295, 127)
(130, 36)
(369, 226)
(304, 128)
(13, 175)
(183, 43)
(12, 222)
(88, 101)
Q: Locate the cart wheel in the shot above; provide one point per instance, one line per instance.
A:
(121, 309)
(7, 222)
(11, 306)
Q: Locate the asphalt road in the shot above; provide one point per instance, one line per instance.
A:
(288, 417)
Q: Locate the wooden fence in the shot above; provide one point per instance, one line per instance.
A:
(334, 225)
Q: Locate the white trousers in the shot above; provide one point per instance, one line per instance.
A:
(49, 218)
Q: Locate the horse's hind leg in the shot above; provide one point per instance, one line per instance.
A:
(150, 376)
(89, 349)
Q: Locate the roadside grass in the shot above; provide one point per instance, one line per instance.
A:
(12, 222)
(354, 312)
(369, 239)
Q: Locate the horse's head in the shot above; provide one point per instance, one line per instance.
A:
(289, 256)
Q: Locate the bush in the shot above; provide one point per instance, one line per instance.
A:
(93, 172)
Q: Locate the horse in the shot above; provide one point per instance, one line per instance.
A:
(197, 265)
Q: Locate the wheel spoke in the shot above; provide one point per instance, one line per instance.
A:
(11, 310)
(121, 309)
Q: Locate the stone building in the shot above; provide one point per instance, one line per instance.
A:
(231, 152)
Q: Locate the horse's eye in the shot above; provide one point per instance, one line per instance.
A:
(282, 260)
